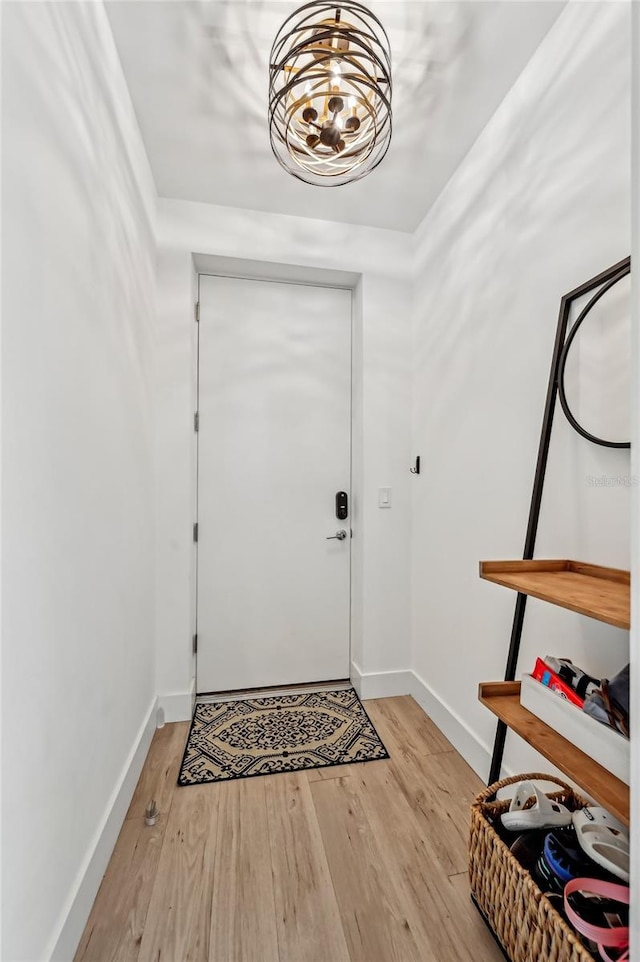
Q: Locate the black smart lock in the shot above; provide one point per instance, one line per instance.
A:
(342, 506)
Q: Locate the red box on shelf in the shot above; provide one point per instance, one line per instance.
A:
(549, 678)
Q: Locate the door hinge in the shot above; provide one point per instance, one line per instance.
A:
(196, 421)
(195, 532)
(197, 311)
(195, 644)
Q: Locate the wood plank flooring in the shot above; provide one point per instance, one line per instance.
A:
(357, 863)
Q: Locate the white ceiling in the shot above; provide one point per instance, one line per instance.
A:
(197, 72)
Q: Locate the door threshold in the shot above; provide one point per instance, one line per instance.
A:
(239, 694)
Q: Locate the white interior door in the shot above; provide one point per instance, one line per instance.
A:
(274, 448)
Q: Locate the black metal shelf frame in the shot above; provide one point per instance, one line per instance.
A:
(601, 283)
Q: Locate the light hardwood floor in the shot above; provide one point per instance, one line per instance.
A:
(359, 863)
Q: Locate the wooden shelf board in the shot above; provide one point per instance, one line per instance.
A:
(503, 699)
(601, 593)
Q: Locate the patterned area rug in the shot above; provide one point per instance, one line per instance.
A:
(284, 733)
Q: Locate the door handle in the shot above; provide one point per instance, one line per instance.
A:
(340, 535)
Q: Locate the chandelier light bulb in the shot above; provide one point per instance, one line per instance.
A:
(330, 93)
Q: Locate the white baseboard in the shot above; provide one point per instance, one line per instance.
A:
(381, 684)
(355, 676)
(76, 912)
(463, 739)
(177, 706)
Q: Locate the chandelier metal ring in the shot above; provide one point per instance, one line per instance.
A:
(330, 93)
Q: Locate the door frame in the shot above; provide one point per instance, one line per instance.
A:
(267, 271)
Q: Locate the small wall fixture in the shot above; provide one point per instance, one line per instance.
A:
(330, 93)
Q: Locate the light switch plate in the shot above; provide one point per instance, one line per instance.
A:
(384, 497)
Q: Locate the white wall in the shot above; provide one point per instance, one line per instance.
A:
(540, 204)
(381, 631)
(77, 510)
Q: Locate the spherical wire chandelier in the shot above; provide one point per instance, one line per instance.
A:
(330, 93)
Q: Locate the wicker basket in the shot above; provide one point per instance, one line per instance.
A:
(525, 922)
